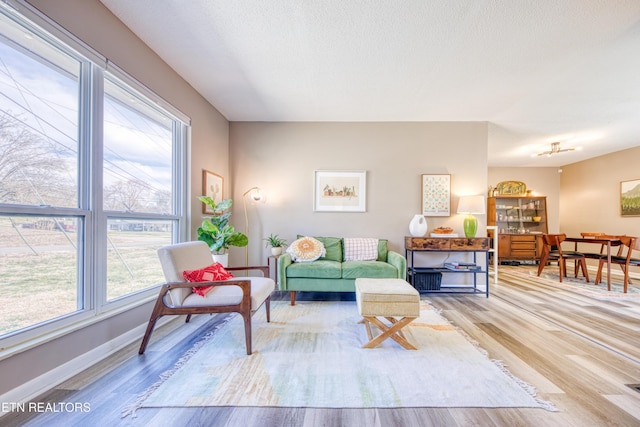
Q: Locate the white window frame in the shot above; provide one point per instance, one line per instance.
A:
(92, 262)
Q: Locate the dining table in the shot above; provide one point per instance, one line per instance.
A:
(608, 242)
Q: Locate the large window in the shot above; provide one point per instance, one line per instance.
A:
(137, 188)
(91, 182)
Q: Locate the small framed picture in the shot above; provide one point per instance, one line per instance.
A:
(630, 198)
(436, 195)
(212, 186)
(340, 191)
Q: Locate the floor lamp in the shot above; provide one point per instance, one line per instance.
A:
(256, 195)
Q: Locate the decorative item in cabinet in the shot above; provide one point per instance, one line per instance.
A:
(513, 188)
(520, 221)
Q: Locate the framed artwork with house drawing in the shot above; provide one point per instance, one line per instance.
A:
(340, 191)
(212, 186)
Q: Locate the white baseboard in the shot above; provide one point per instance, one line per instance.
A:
(37, 386)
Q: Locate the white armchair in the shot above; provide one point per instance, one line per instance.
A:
(242, 295)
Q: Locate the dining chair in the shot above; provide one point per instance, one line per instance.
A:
(552, 251)
(243, 295)
(624, 259)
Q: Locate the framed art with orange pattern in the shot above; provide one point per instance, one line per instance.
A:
(436, 195)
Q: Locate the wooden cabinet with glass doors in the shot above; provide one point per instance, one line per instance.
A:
(520, 222)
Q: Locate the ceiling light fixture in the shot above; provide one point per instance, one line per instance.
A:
(555, 149)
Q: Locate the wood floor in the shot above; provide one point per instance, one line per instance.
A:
(579, 353)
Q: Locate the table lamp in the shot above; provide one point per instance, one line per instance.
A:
(470, 205)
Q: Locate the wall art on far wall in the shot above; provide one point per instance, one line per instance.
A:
(340, 191)
(436, 195)
(630, 198)
(212, 186)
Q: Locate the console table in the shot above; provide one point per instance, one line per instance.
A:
(478, 246)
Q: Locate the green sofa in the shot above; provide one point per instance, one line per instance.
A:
(332, 274)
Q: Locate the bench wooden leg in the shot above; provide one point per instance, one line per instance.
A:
(393, 331)
(367, 326)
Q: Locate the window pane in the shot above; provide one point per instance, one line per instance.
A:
(138, 146)
(132, 261)
(38, 270)
(38, 120)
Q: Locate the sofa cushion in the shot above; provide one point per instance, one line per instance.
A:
(306, 249)
(333, 246)
(360, 249)
(368, 269)
(261, 288)
(324, 269)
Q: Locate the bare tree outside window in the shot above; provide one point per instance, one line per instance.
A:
(30, 171)
(127, 196)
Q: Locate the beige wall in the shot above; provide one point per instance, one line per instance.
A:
(281, 159)
(91, 22)
(591, 194)
(543, 182)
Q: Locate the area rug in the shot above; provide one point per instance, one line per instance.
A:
(310, 355)
(551, 277)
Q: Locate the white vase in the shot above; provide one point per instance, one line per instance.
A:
(418, 226)
(223, 259)
(276, 251)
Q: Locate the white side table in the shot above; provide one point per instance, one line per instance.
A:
(494, 251)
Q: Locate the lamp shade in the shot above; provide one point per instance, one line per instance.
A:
(471, 205)
(256, 195)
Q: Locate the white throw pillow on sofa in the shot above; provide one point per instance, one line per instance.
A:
(306, 249)
(360, 249)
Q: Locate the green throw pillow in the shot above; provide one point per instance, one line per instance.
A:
(382, 250)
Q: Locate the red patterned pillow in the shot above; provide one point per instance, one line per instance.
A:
(211, 273)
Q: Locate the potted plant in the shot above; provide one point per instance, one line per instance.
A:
(276, 244)
(216, 231)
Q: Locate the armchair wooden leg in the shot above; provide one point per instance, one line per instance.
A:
(267, 306)
(147, 334)
(247, 330)
(293, 297)
(155, 315)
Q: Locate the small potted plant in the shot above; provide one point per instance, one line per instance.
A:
(217, 232)
(276, 244)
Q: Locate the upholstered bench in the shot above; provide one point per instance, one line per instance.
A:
(392, 299)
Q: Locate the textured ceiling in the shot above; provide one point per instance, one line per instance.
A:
(537, 71)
